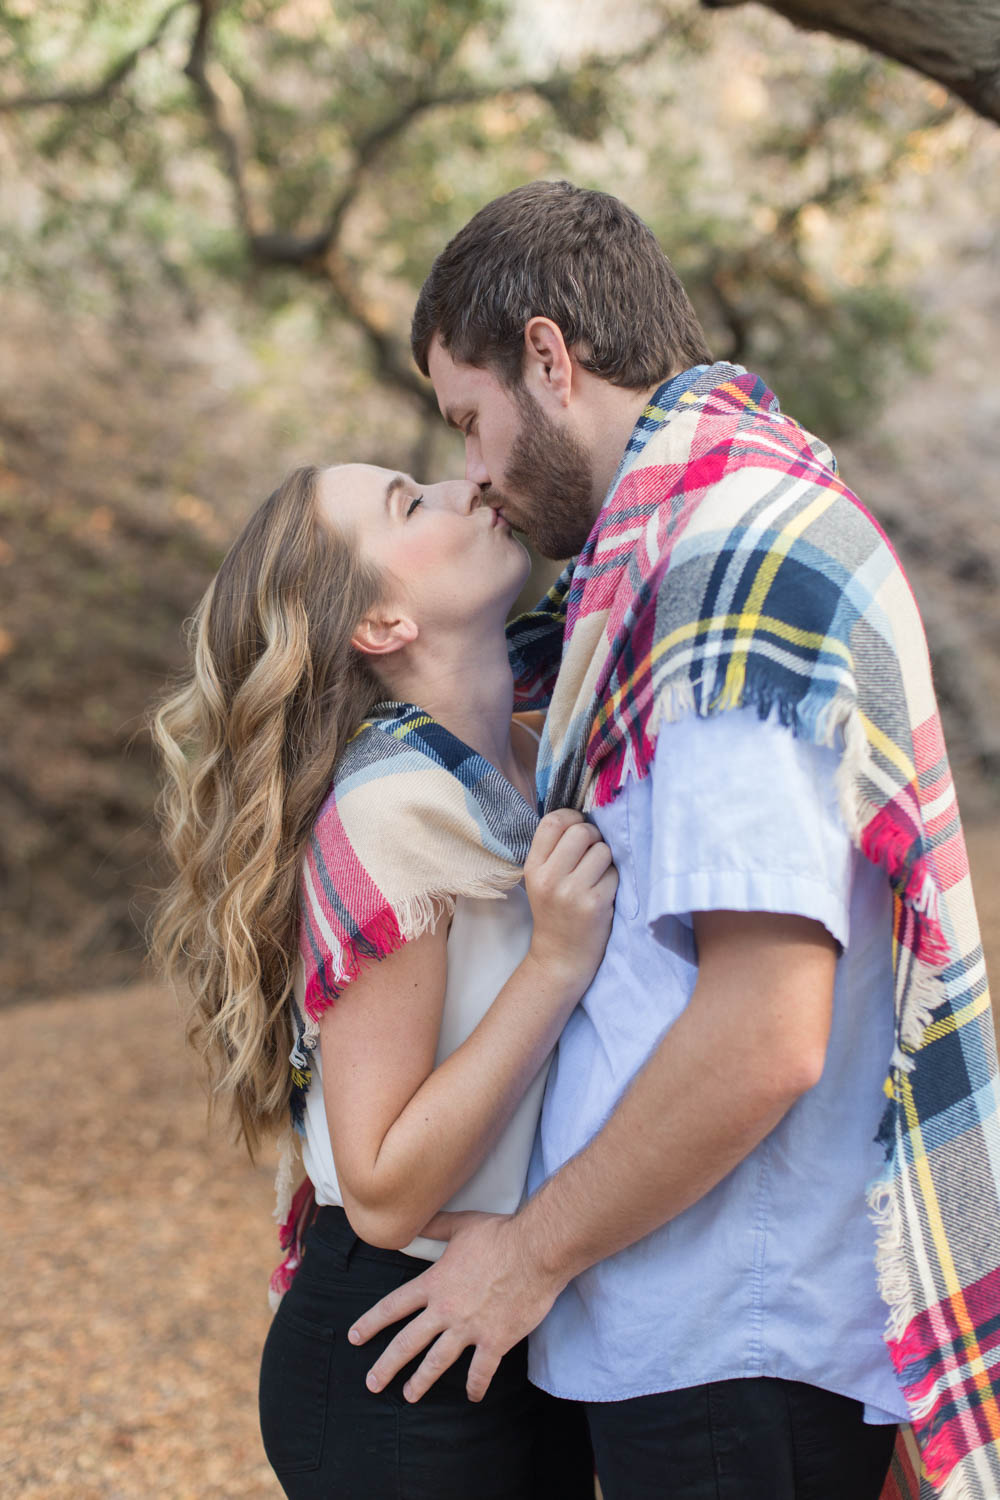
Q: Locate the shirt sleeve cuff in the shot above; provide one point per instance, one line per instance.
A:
(676, 896)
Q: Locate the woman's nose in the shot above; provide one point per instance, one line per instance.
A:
(457, 494)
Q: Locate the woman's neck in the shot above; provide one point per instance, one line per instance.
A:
(469, 688)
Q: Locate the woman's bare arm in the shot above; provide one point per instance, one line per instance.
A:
(405, 1134)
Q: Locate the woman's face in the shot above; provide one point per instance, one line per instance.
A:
(446, 556)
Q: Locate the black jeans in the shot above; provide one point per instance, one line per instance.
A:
(328, 1438)
(739, 1440)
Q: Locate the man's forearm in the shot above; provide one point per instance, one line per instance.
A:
(718, 1083)
(639, 1172)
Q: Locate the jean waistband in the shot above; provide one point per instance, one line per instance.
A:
(332, 1228)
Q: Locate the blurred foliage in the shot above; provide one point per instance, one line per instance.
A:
(215, 218)
(327, 151)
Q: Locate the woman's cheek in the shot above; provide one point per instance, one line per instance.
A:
(411, 556)
(431, 557)
(427, 553)
(437, 549)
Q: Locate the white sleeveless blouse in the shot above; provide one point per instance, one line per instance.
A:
(486, 942)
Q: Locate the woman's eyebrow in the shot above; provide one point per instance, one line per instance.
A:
(397, 482)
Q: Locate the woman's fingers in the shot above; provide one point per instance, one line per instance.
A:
(572, 846)
(549, 831)
(562, 841)
(594, 864)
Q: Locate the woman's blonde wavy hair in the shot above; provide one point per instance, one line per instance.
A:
(247, 744)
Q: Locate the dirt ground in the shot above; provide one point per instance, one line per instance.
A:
(134, 1264)
(136, 1254)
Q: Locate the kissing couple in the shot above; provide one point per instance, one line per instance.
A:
(617, 966)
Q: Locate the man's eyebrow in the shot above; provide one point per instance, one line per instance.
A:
(397, 482)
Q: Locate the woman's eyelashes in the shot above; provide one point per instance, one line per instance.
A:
(417, 499)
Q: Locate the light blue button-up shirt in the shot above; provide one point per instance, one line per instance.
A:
(772, 1273)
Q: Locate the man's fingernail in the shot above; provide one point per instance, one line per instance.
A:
(354, 1336)
(408, 1392)
(371, 1381)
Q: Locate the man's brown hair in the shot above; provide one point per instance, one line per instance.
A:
(579, 257)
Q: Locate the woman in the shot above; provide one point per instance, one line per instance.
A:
(356, 629)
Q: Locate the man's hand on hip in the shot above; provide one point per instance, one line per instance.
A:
(764, 996)
(483, 1292)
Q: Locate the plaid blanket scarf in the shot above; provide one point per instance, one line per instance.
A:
(731, 567)
(413, 819)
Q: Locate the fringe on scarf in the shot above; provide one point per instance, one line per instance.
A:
(387, 932)
(284, 1178)
(890, 1257)
(957, 1486)
(291, 1233)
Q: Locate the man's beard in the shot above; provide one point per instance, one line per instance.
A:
(552, 466)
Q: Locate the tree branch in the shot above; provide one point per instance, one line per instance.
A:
(279, 248)
(288, 249)
(313, 253)
(318, 252)
(108, 84)
(390, 357)
(208, 80)
(953, 43)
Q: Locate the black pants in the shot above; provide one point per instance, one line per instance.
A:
(328, 1438)
(739, 1440)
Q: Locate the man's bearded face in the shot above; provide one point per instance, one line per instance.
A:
(550, 473)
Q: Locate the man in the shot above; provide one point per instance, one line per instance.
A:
(743, 711)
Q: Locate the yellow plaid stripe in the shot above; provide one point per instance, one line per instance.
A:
(401, 730)
(889, 749)
(958, 1018)
(809, 640)
(954, 1290)
(732, 688)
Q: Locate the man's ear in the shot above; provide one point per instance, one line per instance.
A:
(379, 635)
(548, 363)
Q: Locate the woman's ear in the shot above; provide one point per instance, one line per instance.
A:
(378, 635)
(548, 363)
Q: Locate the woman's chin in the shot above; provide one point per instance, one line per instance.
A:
(523, 572)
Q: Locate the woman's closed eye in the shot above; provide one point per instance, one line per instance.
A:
(417, 500)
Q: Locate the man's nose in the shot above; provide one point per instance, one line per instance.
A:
(475, 469)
